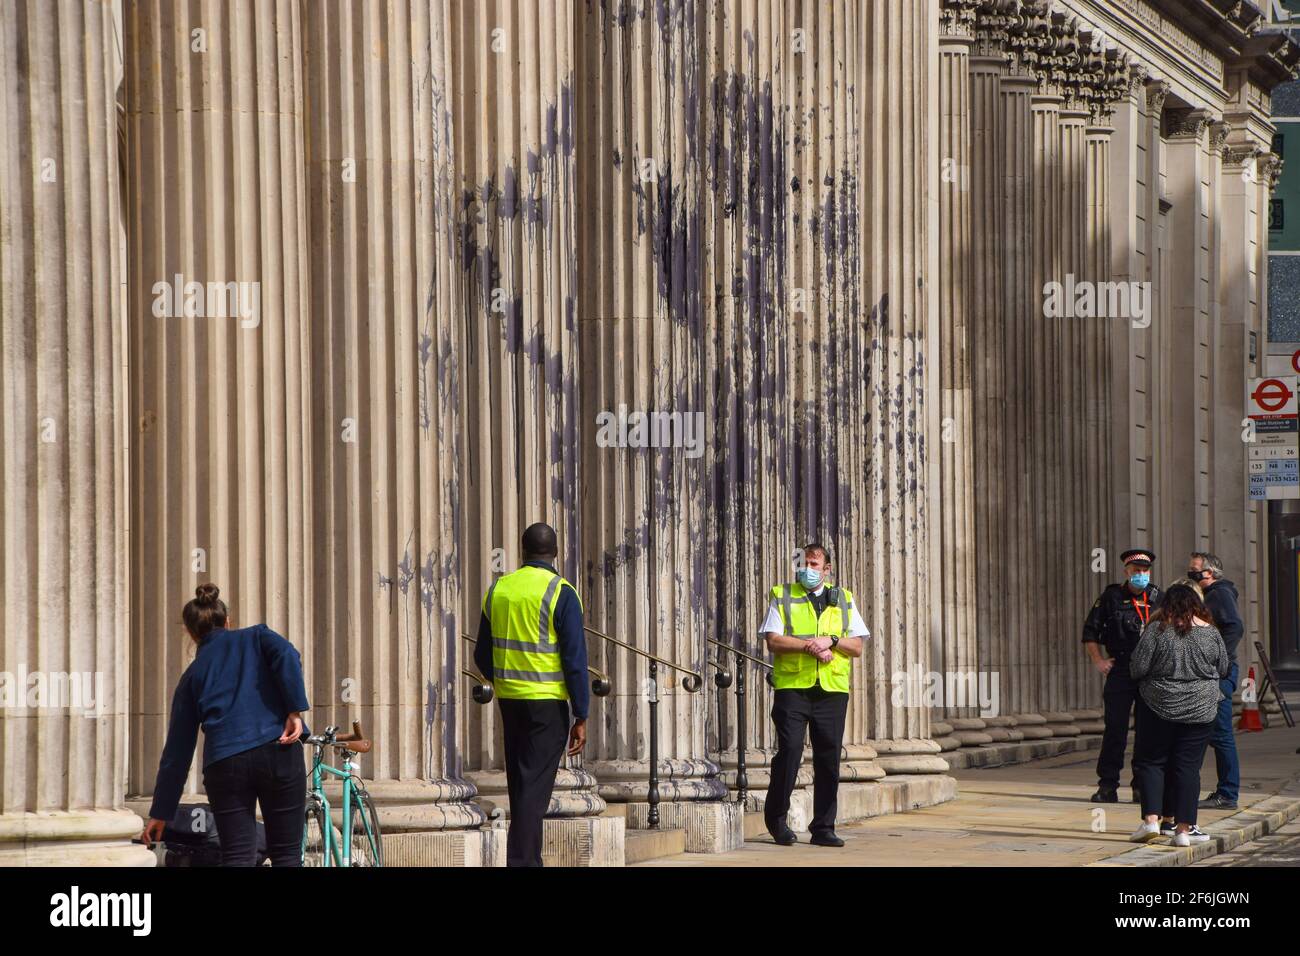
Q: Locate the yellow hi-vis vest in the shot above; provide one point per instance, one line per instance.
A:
(525, 653)
(795, 669)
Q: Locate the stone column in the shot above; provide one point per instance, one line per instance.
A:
(642, 326)
(63, 571)
(1022, 305)
(990, 374)
(219, 354)
(513, 114)
(956, 655)
(892, 560)
(387, 402)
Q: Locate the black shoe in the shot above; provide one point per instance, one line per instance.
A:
(825, 839)
(1217, 801)
(1104, 795)
(784, 837)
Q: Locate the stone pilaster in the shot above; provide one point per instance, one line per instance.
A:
(63, 568)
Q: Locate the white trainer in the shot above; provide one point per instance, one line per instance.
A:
(1145, 833)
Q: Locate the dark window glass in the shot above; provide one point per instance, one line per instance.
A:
(1276, 216)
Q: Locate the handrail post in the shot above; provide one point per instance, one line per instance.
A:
(652, 819)
(742, 778)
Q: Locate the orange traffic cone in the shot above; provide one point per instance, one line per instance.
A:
(1249, 704)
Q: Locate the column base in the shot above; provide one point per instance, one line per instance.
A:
(894, 794)
(73, 838)
(574, 794)
(1061, 724)
(911, 755)
(712, 826)
(628, 781)
(1032, 726)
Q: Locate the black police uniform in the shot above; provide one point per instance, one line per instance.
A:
(1116, 621)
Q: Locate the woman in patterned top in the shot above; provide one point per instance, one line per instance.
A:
(1178, 662)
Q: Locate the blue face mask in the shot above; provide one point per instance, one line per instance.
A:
(809, 578)
(1140, 580)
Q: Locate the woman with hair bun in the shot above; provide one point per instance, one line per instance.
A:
(245, 688)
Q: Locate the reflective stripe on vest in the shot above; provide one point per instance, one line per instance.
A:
(520, 607)
(797, 669)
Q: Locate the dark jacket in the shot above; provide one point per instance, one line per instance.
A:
(1221, 599)
(241, 686)
(568, 634)
(1115, 622)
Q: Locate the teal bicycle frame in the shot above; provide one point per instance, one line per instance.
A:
(339, 856)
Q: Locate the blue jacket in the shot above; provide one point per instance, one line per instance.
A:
(568, 634)
(241, 686)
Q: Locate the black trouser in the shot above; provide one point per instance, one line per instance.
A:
(273, 775)
(1167, 761)
(535, 733)
(821, 712)
(1118, 695)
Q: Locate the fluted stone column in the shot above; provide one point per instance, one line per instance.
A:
(387, 403)
(63, 569)
(1022, 305)
(642, 338)
(219, 351)
(897, 99)
(512, 100)
(957, 654)
(990, 370)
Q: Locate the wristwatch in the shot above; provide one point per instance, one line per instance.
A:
(835, 641)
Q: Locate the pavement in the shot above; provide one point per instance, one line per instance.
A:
(1038, 814)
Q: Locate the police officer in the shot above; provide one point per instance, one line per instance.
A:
(531, 647)
(1116, 622)
(814, 631)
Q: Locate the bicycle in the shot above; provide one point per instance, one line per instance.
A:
(360, 842)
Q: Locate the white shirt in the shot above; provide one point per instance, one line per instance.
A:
(774, 625)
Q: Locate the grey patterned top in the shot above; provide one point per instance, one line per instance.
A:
(1180, 672)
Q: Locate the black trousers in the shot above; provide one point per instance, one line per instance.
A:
(1167, 760)
(273, 775)
(821, 713)
(535, 733)
(1118, 696)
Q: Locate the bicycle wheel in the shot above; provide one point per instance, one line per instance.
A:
(313, 836)
(367, 843)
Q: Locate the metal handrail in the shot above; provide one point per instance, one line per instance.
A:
(600, 682)
(691, 683)
(742, 729)
(735, 650)
(694, 679)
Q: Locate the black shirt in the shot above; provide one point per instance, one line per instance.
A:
(1118, 617)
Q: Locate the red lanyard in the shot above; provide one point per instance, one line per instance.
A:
(1143, 609)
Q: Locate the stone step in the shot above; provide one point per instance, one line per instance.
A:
(641, 845)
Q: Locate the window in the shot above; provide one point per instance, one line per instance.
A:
(1276, 216)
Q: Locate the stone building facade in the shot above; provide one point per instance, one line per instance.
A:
(435, 241)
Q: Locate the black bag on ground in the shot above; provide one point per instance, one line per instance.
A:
(191, 838)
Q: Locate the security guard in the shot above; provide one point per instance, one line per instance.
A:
(1116, 621)
(814, 631)
(531, 646)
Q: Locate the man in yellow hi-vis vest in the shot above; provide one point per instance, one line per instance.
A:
(532, 648)
(814, 630)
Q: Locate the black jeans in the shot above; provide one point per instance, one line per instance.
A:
(1167, 761)
(1118, 695)
(534, 733)
(794, 711)
(273, 775)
